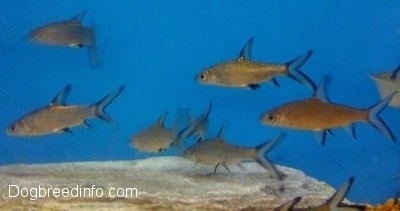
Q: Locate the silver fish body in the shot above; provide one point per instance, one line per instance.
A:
(155, 138)
(242, 72)
(218, 152)
(57, 117)
(68, 33)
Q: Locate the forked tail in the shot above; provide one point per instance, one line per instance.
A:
(264, 161)
(103, 103)
(376, 121)
(296, 74)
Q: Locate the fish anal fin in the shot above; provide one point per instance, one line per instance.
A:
(351, 130)
(275, 81)
(221, 164)
(320, 135)
(246, 50)
(288, 206)
(59, 99)
(253, 86)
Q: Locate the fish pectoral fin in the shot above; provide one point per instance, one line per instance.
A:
(67, 130)
(253, 86)
(76, 45)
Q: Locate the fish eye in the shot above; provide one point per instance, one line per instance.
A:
(202, 76)
(12, 127)
(271, 117)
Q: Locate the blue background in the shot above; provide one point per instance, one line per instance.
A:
(156, 48)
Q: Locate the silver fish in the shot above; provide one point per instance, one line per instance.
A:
(155, 138)
(218, 152)
(387, 83)
(69, 33)
(197, 127)
(242, 72)
(334, 203)
(58, 117)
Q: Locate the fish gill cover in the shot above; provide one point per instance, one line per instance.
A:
(156, 49)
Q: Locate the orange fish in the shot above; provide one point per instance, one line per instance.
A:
(319, 115)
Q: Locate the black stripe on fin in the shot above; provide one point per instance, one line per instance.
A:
(253, 86)
(246, 50)
(78, 18)
(336, 200)
(393, 76)
(103, 103)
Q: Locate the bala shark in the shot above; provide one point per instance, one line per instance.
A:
(155, 138)
(70, 33)
(242, 72)
(320, 115)
(218, 152)
(58, 117)
(332, 204)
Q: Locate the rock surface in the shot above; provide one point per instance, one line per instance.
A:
(162, 183)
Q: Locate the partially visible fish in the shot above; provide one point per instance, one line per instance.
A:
(155, 138)
(70, 33)
(218, 152)
(242, 72)
(334, 203)
(387, 83)
(58, 117)
(320, 115)
(197, 127)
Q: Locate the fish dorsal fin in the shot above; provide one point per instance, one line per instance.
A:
(245, 52)
(320, 92)
(162, 118)
(337, 198)
(393, 76)
(78, 18)
(59, 99)
(221, 129)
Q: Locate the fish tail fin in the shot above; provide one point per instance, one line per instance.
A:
(103, 103)
(376, 121)
(296, 74)
(264, 161)
(336, 200)
(93, 55)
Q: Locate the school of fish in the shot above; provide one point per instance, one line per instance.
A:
(316, 113)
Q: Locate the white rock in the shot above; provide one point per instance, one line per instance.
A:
(162, 183)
